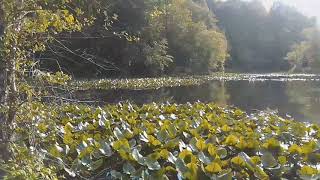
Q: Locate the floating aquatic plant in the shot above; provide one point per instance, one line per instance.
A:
(155, 83)
(170, 141)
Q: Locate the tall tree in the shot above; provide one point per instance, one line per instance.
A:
(29, 25)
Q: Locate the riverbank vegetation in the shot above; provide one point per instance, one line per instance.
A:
(46, 42)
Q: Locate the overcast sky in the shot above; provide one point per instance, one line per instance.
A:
(307, 7)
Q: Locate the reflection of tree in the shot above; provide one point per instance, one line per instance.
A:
(213, 91)
(219, 93)
(306, 95)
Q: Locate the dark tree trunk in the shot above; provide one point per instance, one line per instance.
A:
(3, 147)
(2, 90)
(3, 144)
(2, 77)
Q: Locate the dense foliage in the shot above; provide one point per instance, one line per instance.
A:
(193, 141)
(150, 38)
(145, 37)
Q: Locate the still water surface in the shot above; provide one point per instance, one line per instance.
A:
(297, 99)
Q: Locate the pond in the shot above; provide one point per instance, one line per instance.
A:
(297, 98)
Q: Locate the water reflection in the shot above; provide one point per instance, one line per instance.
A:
(299, 99)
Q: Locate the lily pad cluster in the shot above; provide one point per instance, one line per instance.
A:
(155, 83)
(170, 141)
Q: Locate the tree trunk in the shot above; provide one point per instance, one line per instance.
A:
(8, 92)
(2, 93)
(2, 73)
(292, 69)
(4, 152)
(11, 93)
(3, 147)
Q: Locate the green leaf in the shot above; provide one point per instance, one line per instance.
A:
(225, 175)
(203, 158)
(268, 160)
(128, 168)
(105, 149)
(117, 132)
(222, 152)
(181, 166)
(96, 165)
(152, 164)
(138, 157)
(258, 171)
(70, 172)
(115, 175)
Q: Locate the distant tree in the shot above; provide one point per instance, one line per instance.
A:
(297, 56)
(259, 39)
(194, 39)
(306, 54)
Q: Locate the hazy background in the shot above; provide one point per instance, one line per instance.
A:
(307, 7)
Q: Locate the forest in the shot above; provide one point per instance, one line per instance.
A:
(152, 38)
(150, 89)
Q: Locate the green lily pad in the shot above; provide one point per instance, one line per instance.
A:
(268, 160)
(128, 168)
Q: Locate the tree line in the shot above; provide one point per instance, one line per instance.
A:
(174, 37)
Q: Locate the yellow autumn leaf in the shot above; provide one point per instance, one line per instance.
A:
(97, 137)
(121, 144)
(201, 144)
(164, 153)
(238, 161)
(170, 169)
(213, 168)
(183, 154)
(231, 140)
(42, 127)
(256, 160)
(212, 150)
(193, 169)
(282, 160)
(69, 19)
(309, 147)
(155, 156)
(125, 155)
(295, 149)
(55, 151)
(154, 141)
(226, 128)
(68, 139)
(271, 143)
(242, 144)
(308, 171)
